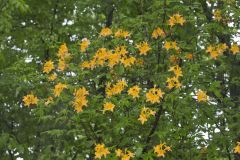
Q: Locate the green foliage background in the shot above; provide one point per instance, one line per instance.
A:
(31, 32)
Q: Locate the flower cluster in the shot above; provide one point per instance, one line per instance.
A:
(171, 45)
(116, 88)
(161, 149)
(145, 114)
(121, 34)
(63, 55)
(134, 91)
(108, 106)
(154, 95)
(158, 32)
(235, 49)
(216, 50)
(107, 57)
(80, 99)
(30, 99)
(237, 148)
(101, 151)
(58, 89)
(126, 155)
(174, 81)
(105, 32)
(84, 44)
(143, 48)
(48, 66)
(202, 96)
(176, 19)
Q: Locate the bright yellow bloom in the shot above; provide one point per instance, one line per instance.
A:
(134, 91)
(52, 77)
(113, 59)
(84, 44)
(88, 64)
(161, 149)
(116, 88)
(237, 148)
(105, 32)
(121, 34)
(126, 155)
(154, 95)
(49, 100)
(63, 52)
(101, 151)
(118, 152)
(80, 99)
(176, 70)
(108, 106)
(62, 65)
(217, 15)
(202, 96)
(145, 114)
(171, 45)
(58, 89)
(216, 50)
(48, 66)
(143, 48)
(128, 62)
(121, 50)
(173, 82)
(30, 99)
(176, 19)
(235, 49)
(158, 32)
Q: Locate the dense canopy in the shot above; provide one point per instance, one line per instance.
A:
(120, 79)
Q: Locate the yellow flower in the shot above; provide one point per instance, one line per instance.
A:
(173, 82)
(216, 50)
(128, 62)
(88, 64)
(176, 70)
(121, 34)
(118, 152)
(143, 48)
(105, 32)
(58, 89)
(30, 99)
(62, 65)
(108, 106)
(101, 151)
(176, 19)
(235, 49)
(80, 99)
(48, 66)
(63, 52)
(84, 44)
(202, 96)
(113, 59)
(154, 95)
(158, 32)
(116, 88)
(171, 45)
(126, 155)
(52, 77)
(161, 149)
(134, 91)
(217, 15)
(49, 100)
(121, 50)
(189, 56)
(145, 114)
(237, 148)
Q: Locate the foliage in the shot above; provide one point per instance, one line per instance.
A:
(126, 79)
